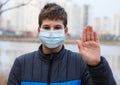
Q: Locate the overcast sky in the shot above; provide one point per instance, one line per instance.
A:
(102, 7)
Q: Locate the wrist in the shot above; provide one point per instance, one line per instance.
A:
(96, 63)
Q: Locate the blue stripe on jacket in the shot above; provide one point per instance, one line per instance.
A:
(74, 82)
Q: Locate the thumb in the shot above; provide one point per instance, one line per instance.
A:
(79, 43)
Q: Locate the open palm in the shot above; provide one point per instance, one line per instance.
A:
(89, 46)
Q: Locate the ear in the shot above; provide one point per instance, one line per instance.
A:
(38, 29)
(66, 30)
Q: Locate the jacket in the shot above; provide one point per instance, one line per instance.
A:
(62, 68)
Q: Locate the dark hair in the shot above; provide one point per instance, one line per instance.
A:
(53, 11)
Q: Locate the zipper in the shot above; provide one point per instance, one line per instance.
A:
(49, 69)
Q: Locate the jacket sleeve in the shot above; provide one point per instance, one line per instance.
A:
(14, 76)
(99, 75)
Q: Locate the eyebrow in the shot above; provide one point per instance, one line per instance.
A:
(58, 25)
(55, 25)
(45, 25)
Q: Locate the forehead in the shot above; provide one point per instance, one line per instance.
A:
(52, 22)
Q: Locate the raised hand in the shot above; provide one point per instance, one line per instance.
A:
(89, 47)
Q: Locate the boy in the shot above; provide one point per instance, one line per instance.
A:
(52, 64)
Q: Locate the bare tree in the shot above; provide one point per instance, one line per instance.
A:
(2, 4)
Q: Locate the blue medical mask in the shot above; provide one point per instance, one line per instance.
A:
(52, 38)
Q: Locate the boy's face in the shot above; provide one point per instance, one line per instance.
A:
(48, 24)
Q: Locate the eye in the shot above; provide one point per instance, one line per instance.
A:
(57, 27)
(46, 27)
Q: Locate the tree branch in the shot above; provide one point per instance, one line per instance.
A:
(5, 2)
(1, 11)
(20, 5)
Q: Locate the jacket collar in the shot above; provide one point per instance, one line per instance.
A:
(52, 56)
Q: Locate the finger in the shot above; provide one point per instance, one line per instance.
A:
(96, 37)
(79, 43)
(84, 38)
(92, 34)
(89, 30)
